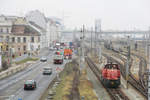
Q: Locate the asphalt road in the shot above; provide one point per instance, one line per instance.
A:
(13, 85)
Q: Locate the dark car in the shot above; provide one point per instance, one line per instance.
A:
(29, 84)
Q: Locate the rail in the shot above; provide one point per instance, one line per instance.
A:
(116, 94)
(132, 80)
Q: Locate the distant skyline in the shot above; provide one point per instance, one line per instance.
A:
(114, 14)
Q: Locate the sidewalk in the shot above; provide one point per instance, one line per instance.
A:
(20, 58)
(17, 59)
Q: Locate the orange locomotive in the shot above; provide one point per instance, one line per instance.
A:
(110, 75)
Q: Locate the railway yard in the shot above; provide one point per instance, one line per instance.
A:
(132, 87)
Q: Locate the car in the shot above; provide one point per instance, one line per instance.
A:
(51, 48)
(47, 71)
(43, 59)
(30, 85)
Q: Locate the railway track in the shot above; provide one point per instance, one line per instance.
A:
(138, 84)
(116, 94)
(132, 80)
(142, 71)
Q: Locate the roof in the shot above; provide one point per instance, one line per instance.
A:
(29, 81)
(24, 30)
(54, 20)
(58, 22)
(37, 26)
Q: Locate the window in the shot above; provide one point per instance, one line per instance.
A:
(38, 39)
(24, 48)
(18, 40)
(7, 30)
(7, 38)
(7, 47)
(1, 30)
(39, 47)
(24, 39)
(13, 39)
(1, 38)
(32, 39)
(18, 48)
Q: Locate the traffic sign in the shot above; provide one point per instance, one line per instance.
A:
(58, 69)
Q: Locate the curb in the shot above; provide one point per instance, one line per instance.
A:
(13, 70)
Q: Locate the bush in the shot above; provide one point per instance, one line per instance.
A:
(26, 60)
(4, 65)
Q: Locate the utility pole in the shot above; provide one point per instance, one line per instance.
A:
(10, 56)
(81, 46)
(148, 52)
(91, 38)
(100, 38)
(127, 64)
(147, 42)
(149, 74)
(83, 36)
(95, 40)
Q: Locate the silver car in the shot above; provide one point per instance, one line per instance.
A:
(47, 71)
(43, 59)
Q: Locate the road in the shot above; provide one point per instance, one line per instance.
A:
(13, 85)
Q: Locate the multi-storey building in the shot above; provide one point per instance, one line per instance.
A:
(25, 35)
(42, 31)
(53, 31)
(49, 28)
(24, 39)
(18, 36)
(37, 20)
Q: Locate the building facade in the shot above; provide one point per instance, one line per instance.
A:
(53, 31)
(38, 21)
(50, 28)
(17, 36)
(43, 40)
(24, 39)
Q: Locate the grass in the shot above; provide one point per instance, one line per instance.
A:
(64, 88)
(86, 88)
(26, 60)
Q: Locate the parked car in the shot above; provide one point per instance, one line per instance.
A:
(43, 59)
(47, 71)
(30, 84)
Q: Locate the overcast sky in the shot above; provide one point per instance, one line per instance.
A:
(114, 14)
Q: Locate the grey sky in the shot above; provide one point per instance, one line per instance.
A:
(115, 14)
